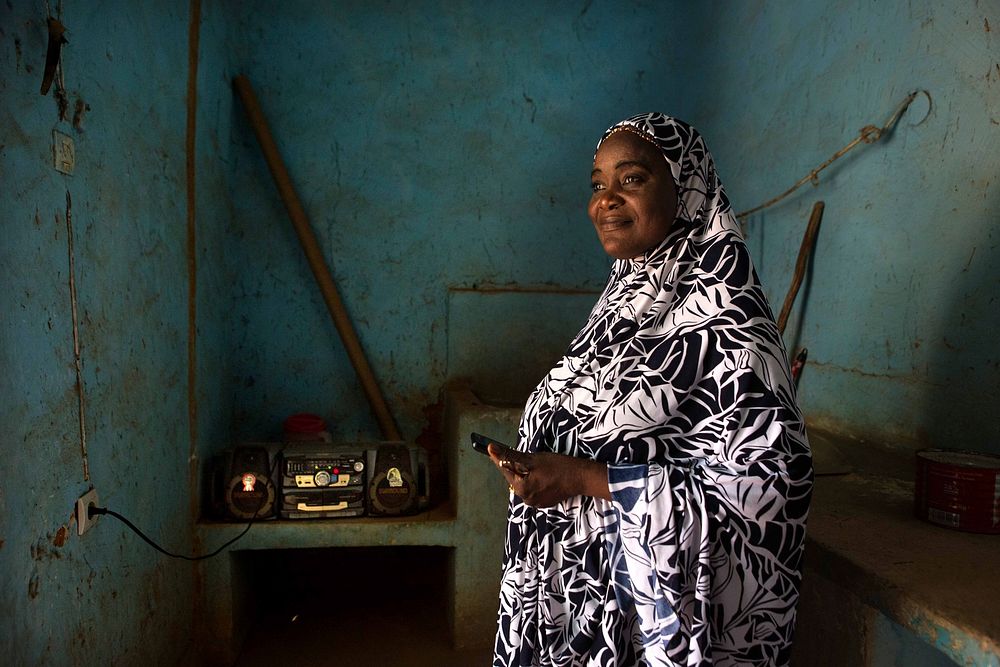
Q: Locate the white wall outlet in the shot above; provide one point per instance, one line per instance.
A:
(63, 152)
(84, 521)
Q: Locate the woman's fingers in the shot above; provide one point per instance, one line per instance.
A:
(494, 453)
(514, 481)
(512, 465)
(508, 459)
(540, 480)
(515, 467)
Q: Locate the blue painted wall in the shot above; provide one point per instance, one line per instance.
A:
(900, 312)
(432, 149)
(105, 598)
(216, 269)
(438, 152)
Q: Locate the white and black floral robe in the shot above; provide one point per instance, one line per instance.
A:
(680, 382)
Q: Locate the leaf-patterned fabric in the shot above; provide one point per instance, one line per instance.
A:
(680, 383)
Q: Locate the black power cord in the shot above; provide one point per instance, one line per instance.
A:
(93, 511)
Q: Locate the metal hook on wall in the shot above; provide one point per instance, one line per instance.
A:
(57, 37)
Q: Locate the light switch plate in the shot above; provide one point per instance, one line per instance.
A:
(63, 152)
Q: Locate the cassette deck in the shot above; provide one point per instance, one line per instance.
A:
(322, 481)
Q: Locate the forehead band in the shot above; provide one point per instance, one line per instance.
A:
(639, 133)
(627, 127)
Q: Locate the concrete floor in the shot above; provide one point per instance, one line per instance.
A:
(357, 607)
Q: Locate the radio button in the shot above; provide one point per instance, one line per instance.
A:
(322, 478)
(359, 466)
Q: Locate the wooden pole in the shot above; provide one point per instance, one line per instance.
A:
(808, 241)
(316, 260)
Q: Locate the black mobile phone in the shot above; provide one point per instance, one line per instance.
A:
(481, 443)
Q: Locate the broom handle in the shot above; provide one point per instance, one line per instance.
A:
(808, 241)
(316, 260)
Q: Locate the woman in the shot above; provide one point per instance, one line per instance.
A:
(659, 497)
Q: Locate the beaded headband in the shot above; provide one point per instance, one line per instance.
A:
(634, 130)
(628, 127)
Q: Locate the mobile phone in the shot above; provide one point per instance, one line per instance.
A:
(481, 444)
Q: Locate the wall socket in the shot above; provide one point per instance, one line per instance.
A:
(84, 521)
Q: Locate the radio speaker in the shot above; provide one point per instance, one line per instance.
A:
(240, 486)
(398, 481)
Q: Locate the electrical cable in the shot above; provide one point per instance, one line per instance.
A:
(869, 134)
(97, 511)
(104, 510)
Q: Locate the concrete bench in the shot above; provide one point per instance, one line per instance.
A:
(471, 524)
(882, 587)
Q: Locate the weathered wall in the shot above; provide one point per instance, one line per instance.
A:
(900, 312)
(432, 148)
(105, 598)
(215, 267)
(835, 627)
(437, 151)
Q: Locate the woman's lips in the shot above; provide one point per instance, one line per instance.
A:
(609, 224)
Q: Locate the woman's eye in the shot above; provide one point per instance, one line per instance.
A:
(594, 187)
(632, 179)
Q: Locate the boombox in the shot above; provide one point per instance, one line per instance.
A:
(318, 480)
(240, 482)
(399, 482)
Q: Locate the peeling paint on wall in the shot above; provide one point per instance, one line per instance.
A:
(123, 212)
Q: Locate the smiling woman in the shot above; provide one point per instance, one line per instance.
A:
(634, 202)
(662, 479)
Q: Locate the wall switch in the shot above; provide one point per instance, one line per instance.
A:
(63, 152)
(84, 521)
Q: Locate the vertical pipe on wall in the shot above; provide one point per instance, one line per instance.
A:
(316, 260)
(191, 250)
(78, 361)
(190, 144)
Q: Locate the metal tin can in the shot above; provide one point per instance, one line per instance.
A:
(958, 489)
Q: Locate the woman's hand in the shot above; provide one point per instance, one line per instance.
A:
(543, 479)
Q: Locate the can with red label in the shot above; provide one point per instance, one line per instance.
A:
(958, 489)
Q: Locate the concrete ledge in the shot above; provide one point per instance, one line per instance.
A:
(471, 524)
(432, 528)
(941, 585)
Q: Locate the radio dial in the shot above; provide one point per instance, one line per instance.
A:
(359, 466)
(322, 478)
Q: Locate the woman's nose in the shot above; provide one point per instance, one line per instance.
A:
(610, 199)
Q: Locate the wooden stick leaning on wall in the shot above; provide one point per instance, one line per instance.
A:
(316, 260)
(808, 241)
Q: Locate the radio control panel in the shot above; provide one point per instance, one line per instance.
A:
(303, 473)
(319, 480)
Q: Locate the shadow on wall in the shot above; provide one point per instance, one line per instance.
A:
(503, 341)
(430, 148)
(958, 392)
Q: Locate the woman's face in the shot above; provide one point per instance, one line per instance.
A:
(634, 201)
